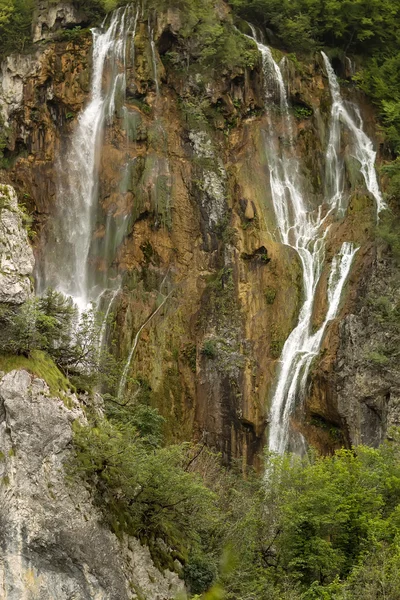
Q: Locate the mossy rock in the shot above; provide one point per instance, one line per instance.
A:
(40, 364)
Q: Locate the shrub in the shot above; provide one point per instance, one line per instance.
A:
(209, 349)
(199, 574)
(146, 492)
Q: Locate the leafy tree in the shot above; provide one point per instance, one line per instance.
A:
(146, 492)
(15, 24)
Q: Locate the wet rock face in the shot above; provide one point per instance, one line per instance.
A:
(366, 371)
(16, 256)
(354, 389)
(194, 193)
(52, 544)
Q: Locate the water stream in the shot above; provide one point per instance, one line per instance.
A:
(71, 257)
(304, 228)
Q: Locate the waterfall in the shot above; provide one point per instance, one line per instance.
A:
(303, 228)
(363, 148)
(68, 264)
(154, 58)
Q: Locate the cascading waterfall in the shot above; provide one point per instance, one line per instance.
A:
(363, 148)
(68, 264)
(304, 228)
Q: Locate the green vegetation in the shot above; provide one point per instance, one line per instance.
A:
(388, 228)
(51, 325)
(362, 25)
(203, 39)
(15, 24)
(302, 112)
(16, 21)
(209, 349)
(319, 527)
(145, 490)
(270, 294)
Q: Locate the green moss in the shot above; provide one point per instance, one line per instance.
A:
(39, 364)
(377, 358)
(270, 294)
(276, 348)
(189, 355)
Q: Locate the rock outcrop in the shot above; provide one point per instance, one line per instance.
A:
(16, 256)
(50, 20)
(354, 392)
(52, 543)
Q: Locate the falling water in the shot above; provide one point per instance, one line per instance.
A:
(304, 229)
(68, 265)
(154, 58)
(124, 377)
(363, 148)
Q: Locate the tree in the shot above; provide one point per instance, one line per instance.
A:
(144, 491)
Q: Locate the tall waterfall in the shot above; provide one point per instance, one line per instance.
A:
(69, 261)
(304, 228)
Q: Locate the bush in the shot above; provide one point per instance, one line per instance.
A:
(52, 324)
(146, 492)
(199, 574)
(209, 349)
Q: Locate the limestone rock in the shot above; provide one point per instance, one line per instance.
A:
(51, 538)
(14, 70)
(16, 256)
(50, 19)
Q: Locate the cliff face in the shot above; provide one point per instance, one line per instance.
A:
(201, 235)
(51, 538)
(16, 256)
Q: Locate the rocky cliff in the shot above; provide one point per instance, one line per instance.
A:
(200, 237)
(52, 542)
(16, 267)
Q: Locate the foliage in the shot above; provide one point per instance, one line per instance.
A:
(199, 574)
(16, 21)
(205, 41)
(52, 324)
(388, 230)
(302, 112)
(145, 492)
(15, 24)
(321, 527)
(362, 25)
(209, 349)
